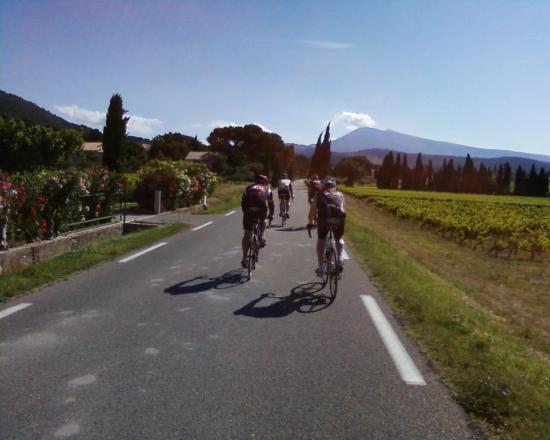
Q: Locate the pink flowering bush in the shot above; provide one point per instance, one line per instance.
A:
(37, 205)
(182, 183)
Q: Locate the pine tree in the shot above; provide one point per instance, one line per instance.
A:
(114, 133)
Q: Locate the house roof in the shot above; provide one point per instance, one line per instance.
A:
(197, 155)
(93, 146)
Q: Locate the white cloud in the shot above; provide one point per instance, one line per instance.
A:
(79, 115)
(222, 123)
(333, 45)
(137, 125)
(354, 120)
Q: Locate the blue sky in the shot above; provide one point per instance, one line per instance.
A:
(471, 72)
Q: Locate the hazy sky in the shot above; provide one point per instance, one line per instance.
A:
(475, 72)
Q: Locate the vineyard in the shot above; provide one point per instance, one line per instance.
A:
(501, 225)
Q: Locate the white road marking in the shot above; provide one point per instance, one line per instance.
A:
(345, 255)
(144, 251)
(405, 365)
(14, 309)
(202, 226)
(229, 213)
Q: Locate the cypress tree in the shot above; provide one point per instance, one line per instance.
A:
(418, 174)
(430, 177)
(507, 178)
(520, 182)
(324, 162)
(500, 180)
(469, 175)
(543, 183)
(114, 133)
(406, 178)
(396, 175)
(315, 158)
(532, 182)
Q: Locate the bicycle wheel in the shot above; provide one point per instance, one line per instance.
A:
(324, 277)
(332, 273)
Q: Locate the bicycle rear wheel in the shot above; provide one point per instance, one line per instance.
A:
(332, 269)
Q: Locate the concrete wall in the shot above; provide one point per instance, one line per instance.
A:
(17, 258)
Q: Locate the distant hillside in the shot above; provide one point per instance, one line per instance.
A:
(376, 156)
(372, 138)
(16, 107)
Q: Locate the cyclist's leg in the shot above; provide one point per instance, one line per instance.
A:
(322, 232)
(287, 203)
(247, 226)
(281, 204)
(263, 223)
(338, 234)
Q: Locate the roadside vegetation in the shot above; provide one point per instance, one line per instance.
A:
(36, 275)
(483, 321)
(226, 196)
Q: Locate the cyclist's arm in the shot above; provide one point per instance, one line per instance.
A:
(243, 202)
(291, 190)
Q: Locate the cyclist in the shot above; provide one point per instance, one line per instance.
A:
(256, 201)
(313, 187)
(330, 205)
(285, 193)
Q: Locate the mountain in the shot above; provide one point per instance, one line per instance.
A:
(372, 138)
(13, 106)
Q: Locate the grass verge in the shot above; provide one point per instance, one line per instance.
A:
(226, 196)
(503, 385)
(36, 275)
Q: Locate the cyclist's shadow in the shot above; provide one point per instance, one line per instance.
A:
(203, 283)
(304, 298)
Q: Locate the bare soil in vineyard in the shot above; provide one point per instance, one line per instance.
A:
(515, 292)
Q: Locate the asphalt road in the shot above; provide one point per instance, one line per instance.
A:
(178, 344)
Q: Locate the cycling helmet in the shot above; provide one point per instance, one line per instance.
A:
(314, 177)
(260, 178)
(329, 182)
(284, 176)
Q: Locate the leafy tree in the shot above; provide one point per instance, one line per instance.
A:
(133, 156)
(352, 169)
(250, 144)
(114, 133)
(173, 146)
(27, 147)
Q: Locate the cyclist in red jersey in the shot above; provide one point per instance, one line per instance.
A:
(256, 202)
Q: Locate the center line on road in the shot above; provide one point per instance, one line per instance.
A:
(345, 255)
(407, 369)
(229, 213)
(144, 251)
(202, 226)
(14, 309)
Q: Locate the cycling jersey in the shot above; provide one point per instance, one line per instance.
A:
(284, 188)
(331, 213)
(257, 199)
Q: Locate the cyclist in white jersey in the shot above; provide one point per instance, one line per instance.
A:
(285, 192)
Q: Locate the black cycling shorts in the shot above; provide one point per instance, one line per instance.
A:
(284, 194)
(338, 225)
(250, 216)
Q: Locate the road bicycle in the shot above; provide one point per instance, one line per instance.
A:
(254, 248)
(283, 209)
(331, 271)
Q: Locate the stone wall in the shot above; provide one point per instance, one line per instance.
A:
(19, 257)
